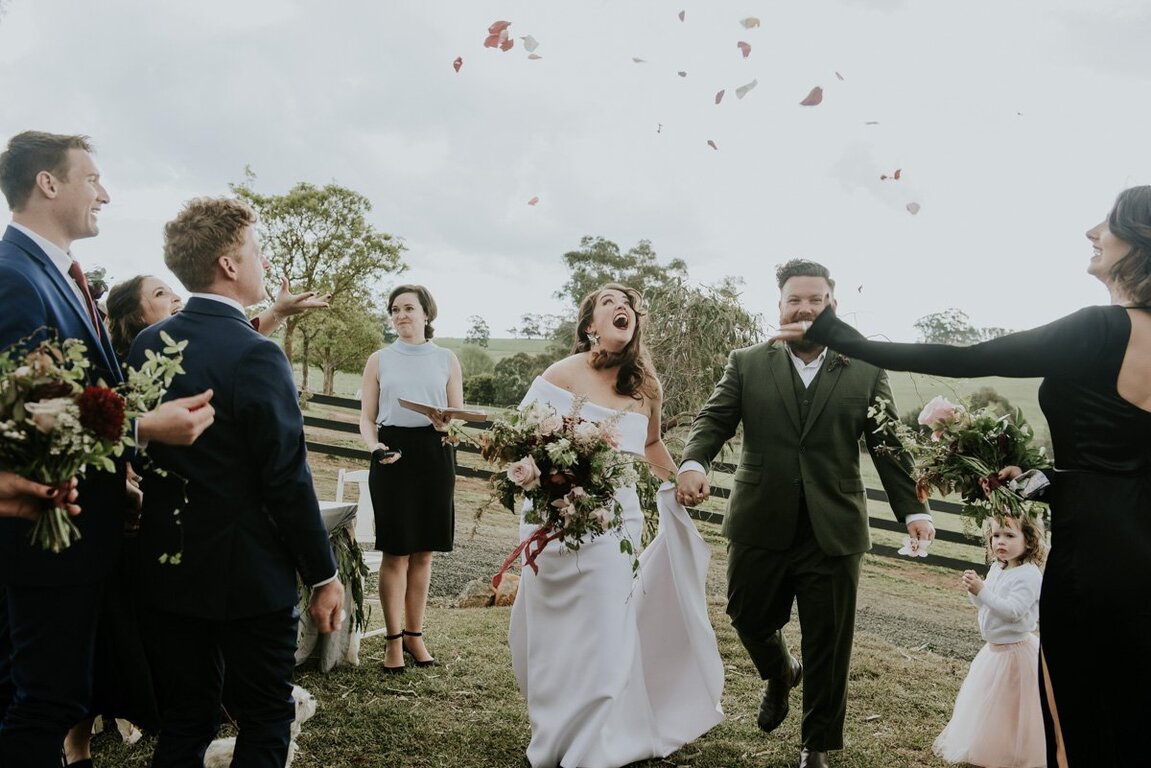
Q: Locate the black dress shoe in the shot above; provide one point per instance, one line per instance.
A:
(773, 709)
(812, 758)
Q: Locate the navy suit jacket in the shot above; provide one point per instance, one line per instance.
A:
(36, 299)
(247, 519)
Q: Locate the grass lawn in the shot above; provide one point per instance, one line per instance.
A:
(915, 634)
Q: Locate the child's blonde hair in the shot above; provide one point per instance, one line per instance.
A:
(1034, 538)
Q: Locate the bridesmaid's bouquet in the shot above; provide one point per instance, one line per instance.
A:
(958, 449)
(569, 468)
(56, 427)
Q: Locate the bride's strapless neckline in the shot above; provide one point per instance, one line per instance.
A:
(602, 407)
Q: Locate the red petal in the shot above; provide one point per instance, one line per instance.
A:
(711, 144)
(898, 173)
(459, 62)
(507, 44)
(533, 201)
(718, 96)
(813, 98)
(744, 47)
(498, 26)
(492, 41)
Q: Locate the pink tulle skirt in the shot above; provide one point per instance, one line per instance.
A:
(998, 720)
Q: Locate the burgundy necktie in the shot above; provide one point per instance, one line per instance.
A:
(78, 275)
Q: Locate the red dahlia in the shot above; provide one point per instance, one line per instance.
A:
(102, 411)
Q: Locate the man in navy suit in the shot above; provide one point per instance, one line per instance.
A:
(238, 509)
(48, 602)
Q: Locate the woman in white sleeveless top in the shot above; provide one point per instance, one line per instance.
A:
(413, 493)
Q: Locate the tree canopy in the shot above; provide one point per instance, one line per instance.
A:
(600, 261)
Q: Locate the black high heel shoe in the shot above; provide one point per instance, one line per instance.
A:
(400, 669)
(430, 662)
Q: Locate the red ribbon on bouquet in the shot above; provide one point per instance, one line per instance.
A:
(540, 538)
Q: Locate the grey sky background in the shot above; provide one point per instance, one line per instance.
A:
(1015, 124)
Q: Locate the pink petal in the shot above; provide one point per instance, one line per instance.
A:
(839, 75)
(459, 62)
(492, 41)
(498, 26)
(534, 56)
(813, 98)
(533, 201)
(682, 14)
(744, 47)
(711, 144)
(507, 44)
(719, 96)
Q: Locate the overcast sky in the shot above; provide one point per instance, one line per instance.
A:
(1014, 124)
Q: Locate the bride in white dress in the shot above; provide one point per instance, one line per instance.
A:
(615, 669)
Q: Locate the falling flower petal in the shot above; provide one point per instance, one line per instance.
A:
(681, 73)
(638, 60)
(913, 208)
(498, 26)
(742, 90)
(533, 201)
(895, 176)
(914, 547)
(898, 173)
(530, 43)
(711, 144)
(506, 43)
(719, 96)
(750, 22)
(813, 98)
(839, 75)
(859, 289)
(682, 14)
(534, 56)
(744, 47)
(459, 62)
(872, 122)
(498, 36)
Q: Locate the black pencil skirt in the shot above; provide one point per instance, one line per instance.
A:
(414, 498)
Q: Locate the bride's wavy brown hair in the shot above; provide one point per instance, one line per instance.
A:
(1130, 221)
(636, 376)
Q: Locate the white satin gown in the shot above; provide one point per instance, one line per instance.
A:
(616, 669)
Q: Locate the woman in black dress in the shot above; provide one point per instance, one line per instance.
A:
(1095, 609)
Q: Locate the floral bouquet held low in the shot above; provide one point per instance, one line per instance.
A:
(962, 450)
(569, 468)
(56, 427)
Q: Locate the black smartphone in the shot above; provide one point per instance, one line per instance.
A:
(380, 454)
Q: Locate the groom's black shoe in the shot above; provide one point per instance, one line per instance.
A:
(773, 709)
(812, 758)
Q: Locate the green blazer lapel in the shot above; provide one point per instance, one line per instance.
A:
(824, 386)
(781, 368)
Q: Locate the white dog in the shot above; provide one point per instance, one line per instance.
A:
(219, 754)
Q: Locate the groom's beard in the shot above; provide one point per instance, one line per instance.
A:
(804, 347)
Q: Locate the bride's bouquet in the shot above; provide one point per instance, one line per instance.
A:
(567, 467)
(958, 449)
(56, 427)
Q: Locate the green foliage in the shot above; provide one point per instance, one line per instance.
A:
(951, 326)
(321, 239)
(480, 389)
(690, 331)
(513, 376)
(341, 338)
(600, 261)
(474, 360)
(478, 333)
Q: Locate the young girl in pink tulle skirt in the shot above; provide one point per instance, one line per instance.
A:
(997, 721)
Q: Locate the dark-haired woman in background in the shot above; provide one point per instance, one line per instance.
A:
(1096, 395)
(615, 669)
(413, 493)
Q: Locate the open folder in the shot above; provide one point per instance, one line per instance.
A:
(453, 413)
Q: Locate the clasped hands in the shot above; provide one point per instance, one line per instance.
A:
(691, 487)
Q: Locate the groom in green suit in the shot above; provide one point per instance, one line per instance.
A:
(796, 522)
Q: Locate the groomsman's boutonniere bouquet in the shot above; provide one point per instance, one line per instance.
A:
(55, 427)
(567, 467)
(960, 450)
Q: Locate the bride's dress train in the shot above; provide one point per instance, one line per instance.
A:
(616, 669)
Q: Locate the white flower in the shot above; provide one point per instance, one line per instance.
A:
(44, 413)
(914, 547)
(549, 425)
(603, 516)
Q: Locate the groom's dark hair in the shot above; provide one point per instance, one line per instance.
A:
(802, 268)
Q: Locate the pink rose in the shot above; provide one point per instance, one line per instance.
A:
(549, 425)
(610, 433)
(525, 473)
(938, 413)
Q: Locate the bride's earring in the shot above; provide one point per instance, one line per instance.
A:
(592, 338)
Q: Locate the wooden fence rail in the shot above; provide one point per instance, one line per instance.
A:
(361, 455)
